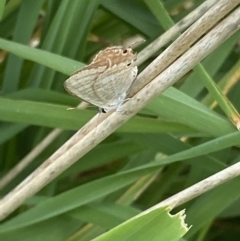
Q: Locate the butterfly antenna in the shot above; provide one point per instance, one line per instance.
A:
(136, 43)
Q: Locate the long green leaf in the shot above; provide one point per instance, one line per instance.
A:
(53, 61)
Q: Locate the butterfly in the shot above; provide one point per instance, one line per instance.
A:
(105, 82)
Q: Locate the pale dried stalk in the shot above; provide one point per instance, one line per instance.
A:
(200, 187)
(169, 35)
(178, 47)
(84, 140)
(29, 158)
(142, 56)
(33, 154)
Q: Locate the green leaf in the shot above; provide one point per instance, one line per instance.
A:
(155, 225)
(53, 61)
(27, 17)
(2, 5)
(51, 115)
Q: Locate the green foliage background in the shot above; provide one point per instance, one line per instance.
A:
(107, 187)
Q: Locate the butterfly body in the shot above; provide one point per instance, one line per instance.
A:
(106, 80)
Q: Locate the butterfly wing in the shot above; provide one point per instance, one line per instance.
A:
(106, 80)
(114, 82)
(81, 83)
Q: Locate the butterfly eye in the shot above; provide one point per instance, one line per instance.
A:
(125, 51)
